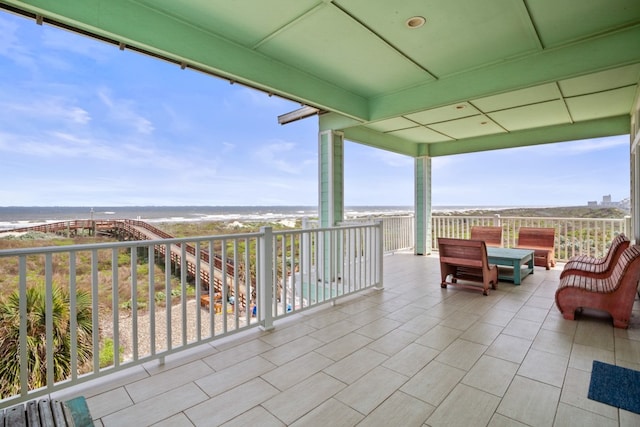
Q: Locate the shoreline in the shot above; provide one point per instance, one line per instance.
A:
(289, 216)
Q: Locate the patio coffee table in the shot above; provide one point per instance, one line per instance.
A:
(514, 258)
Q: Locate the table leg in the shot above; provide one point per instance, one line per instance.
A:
(516, 272)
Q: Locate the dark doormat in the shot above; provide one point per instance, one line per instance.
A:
(615, 386)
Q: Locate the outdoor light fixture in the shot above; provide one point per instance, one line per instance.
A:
(415, 22)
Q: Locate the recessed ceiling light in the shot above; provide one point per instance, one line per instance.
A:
(415, 22)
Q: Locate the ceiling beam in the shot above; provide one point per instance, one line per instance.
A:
(610, 126)
(605, 52)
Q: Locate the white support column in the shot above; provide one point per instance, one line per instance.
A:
(331, 177)
(423, 205)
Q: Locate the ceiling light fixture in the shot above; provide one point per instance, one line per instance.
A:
(415, 22)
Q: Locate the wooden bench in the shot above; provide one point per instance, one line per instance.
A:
(464, 259)
(541, 240)
(492, 236)
(583, 265)
(614, 294)
(48, 412)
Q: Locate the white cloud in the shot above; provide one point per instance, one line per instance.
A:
(67, 42)
(393, 159)
(123, 112)
(273, 155)
(52, 108)
(11, 47)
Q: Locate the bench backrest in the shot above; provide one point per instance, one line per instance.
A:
(627, 267)
(463, 252)
(492, 236)
(536, 236)
(618, 245)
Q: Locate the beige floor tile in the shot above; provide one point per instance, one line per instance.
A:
(297, 370)
(542, 302)
(378, 328)
(158, 408)
(330, 413)
(575, 392)
(582, 356)
(530, 402)
(337, 330)
(411, 359)
(230, 404)
(465, 406)
(167, 380)
(522, 328)
(509, 348)
(433, 383)
(442, 310)
(257, 416)
(178, 420)
(368, 316)
(460, 321)
(553, 342)
(280, 336)
(399, 409)
(439, 337)
(344, 346)
(627, 350)
(462, 354)
(109, 402)
(629, 419)
(323, 319)
(393, 342)
(234, 375)
(482, 333)
(237, 354)
(555, 322)
(296, 401)
(405, 313)
(419, 325)
(285, 353)
(491, 374)
(499, 420)
(370, 390)
(544, 367)
(595, 332)
(497, 317)
(571, 416)
(355, 365)
(534, 314)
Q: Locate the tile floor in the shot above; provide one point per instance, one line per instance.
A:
(412, 354)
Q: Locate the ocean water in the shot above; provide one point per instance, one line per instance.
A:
(24, 216)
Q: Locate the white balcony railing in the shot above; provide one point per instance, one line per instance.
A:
(588, 236)
(574, 236)
(145, 305)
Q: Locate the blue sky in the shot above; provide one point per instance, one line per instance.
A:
(85, 124)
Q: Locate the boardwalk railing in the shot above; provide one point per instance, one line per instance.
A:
(143, 305)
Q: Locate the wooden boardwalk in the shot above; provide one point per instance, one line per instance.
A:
(128, 229)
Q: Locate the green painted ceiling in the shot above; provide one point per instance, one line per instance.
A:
(478, 75)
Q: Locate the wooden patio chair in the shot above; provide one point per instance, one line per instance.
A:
(614, 294)
(584, 265)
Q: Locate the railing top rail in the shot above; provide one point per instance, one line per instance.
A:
(127, 244)
(535, 218)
